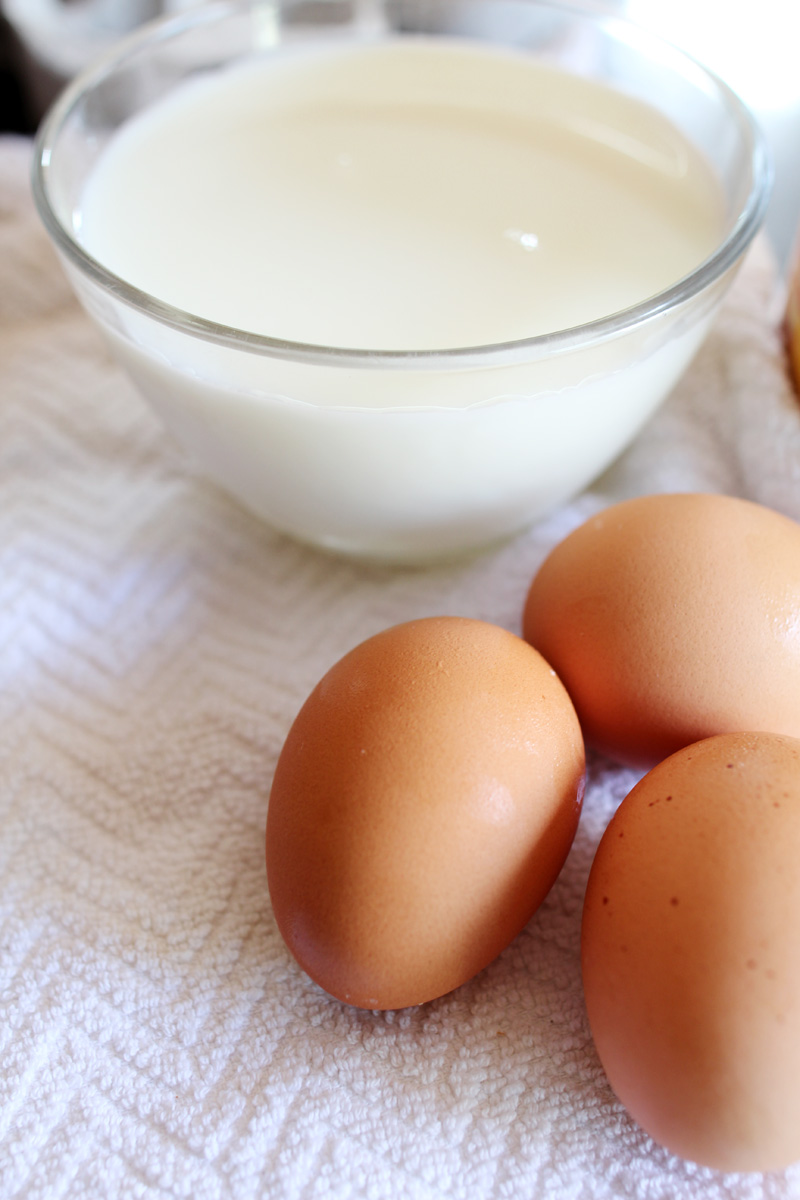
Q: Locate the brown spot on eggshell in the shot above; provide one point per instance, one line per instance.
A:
(700, 1039)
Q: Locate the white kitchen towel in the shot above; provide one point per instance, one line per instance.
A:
(156, 1038)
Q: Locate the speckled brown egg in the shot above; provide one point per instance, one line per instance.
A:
(670, 618)
(422, 807)
(691, 952)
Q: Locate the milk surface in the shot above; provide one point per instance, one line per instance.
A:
(410, 194)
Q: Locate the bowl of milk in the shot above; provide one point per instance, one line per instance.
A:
(401, 275)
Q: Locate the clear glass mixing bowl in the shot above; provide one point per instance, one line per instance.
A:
(404, 455)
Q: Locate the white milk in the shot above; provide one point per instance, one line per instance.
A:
(405, 195)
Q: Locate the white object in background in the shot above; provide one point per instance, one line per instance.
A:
(63, 38)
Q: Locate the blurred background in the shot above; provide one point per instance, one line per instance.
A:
(755, 48)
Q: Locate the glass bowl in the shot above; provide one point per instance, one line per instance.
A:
(414, 453)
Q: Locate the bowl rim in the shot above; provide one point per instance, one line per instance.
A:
(707, 272)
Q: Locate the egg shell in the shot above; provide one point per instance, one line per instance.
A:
(422, 806)
(670, 618)
(691, 952)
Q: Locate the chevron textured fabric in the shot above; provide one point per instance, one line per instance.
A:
(156, 1039)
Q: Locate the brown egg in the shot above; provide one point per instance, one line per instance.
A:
(691, 952)
(423, 804)
(670, 618)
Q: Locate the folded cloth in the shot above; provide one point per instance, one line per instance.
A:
(157, 642)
